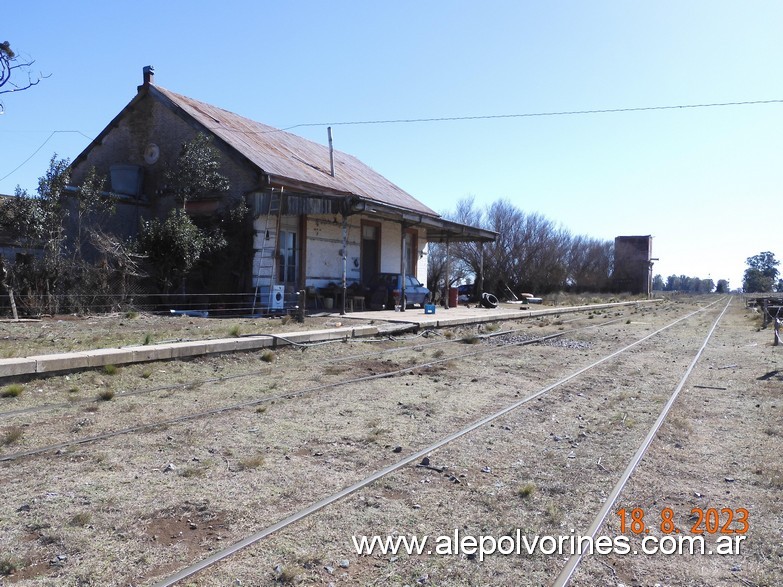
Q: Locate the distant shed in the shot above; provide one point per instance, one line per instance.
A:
(633, 264)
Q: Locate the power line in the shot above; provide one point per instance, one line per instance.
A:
(532, 114)
(451, 119)
(54, 132)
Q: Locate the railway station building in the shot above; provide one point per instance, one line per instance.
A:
(322, 221)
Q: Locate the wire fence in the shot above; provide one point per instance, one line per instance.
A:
(189, 304)
(103, 292)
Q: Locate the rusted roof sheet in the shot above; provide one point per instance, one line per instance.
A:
(285, 155)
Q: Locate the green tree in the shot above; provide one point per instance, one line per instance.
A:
(174, 246)
(722, 287)
(658, 284)
(55, 220)
(37, 221)
(196, 173)
(761, 274)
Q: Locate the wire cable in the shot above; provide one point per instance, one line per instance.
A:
(521, 115)
(54, 132)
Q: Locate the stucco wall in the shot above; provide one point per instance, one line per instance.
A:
(324, 242)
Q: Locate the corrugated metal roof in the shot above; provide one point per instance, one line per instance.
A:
(286, 155)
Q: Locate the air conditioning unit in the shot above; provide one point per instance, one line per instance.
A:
(278, 297)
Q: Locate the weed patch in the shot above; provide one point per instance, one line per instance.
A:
(13, 390)
(526, 490)
(12, 435)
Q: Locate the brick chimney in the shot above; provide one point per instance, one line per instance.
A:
(149, 75)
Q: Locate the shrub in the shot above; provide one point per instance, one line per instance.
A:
(526, 490)
(13, 390)
(106, 395)
(12, 434)
(8, 567)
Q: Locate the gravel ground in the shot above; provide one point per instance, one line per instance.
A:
(135, 507)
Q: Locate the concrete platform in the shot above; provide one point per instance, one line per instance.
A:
(477, 314)
(383, 322)
(59, 362)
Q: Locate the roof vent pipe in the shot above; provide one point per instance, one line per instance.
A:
(331, 151)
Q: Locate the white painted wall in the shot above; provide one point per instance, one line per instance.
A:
(421, 268)
(391, 247)
(324, 241)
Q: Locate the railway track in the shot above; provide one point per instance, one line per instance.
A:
(568, 570)
(357, 462)
(271, 398)
(428, 451)
(123, 393)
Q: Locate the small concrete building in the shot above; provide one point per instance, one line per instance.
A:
(320, 218)
(633, 264)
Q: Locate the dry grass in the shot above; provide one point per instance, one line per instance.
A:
(63, 333)
(251, 462)
(241, 470)
(12, 434)
(192, 471)
(80, 519)
(287, 575)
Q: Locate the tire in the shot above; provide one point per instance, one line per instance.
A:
(488, 300)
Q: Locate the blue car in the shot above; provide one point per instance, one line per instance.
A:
(388, 286)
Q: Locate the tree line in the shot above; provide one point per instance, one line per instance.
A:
(689, 284)
(761, 276)
(531, 254)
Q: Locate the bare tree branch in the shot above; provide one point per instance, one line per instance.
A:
(9, 62)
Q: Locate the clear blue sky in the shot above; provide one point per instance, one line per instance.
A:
(705, 183)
